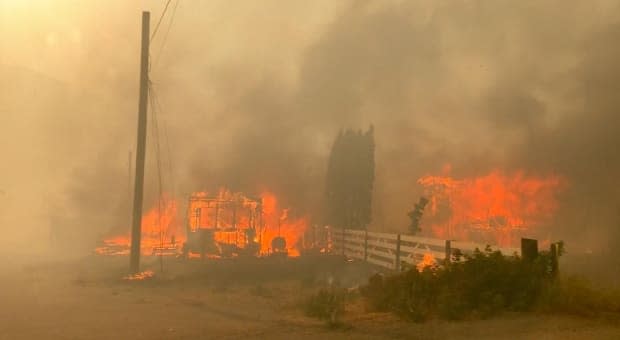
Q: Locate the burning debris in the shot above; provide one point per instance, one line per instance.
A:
(428, 260)
(161, 233)
(223, 225)
(147, 274)
(114, 246)
(232, 224)
(280, 223)
(495, 208)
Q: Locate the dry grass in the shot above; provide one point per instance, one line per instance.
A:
(88, 300)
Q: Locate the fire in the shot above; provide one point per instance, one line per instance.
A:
(490, 208)
(160, 226)
(227, 213)
(279, 223)
(428, 260)
(114, 246)
(221, 217)
(230, 216)
(140, 276)
(161, 231)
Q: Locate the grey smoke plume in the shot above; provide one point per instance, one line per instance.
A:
(253, 95)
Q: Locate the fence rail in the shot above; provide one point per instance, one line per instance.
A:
(391, 251)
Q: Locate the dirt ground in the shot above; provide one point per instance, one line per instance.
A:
(87, 299)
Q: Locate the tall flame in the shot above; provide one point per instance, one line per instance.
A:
(491, 207)
(279, 223)
(160, 225)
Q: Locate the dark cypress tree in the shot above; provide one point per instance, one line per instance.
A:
(350, 179)
(333, 190)
(368, 177)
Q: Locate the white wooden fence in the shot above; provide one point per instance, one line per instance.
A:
(392, 250)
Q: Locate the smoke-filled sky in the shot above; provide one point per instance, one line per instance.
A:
(252, 93)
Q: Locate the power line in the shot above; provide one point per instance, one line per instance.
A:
(167, 150)
(159, 176)
(160, 19)
(161, 126)
(165, 39)
(166, 140)
(155, 109)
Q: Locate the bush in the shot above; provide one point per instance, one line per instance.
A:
(485, 284)
(327, 305)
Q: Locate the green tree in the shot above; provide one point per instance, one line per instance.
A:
(350, 179)
(416, 214)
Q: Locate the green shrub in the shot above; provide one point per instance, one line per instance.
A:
(327, 305)
(485, 284)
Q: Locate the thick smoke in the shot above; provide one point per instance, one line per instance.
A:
(251, 97)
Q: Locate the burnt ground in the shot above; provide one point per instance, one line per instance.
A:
(87, 299)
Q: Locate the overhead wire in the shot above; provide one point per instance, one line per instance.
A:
(160, 201)
(166, 141)
(165, 38)
(160, 19)
(157, 103)
(156, 108)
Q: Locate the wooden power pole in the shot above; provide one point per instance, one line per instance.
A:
(136, 227)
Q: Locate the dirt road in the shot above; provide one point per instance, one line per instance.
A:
(86, 299)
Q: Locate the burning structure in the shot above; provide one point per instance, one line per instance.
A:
(229, 224)
(222, 225)
(496, 208)
(161, 232)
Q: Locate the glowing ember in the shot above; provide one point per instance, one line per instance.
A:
(147, 274)
(489, 208)
(428, 260)
(114, 246)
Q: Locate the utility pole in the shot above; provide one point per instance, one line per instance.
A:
(136, 227)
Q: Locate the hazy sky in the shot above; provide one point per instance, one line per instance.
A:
(252, 94)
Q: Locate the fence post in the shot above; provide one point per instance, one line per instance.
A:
(397, 264)
(529, 249)
(554, 259)
(448, 257)
(329, 239)
(343, 254)
(366, 245)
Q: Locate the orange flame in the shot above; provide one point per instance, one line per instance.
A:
(160, 230)
(279, 223)
(489, 208)
(428, 260)
(224, 217)
(140, 276)
(271, 222)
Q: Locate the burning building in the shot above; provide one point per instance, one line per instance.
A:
(495, 208)
(161, 232)
(221, 225)
(227, 224)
